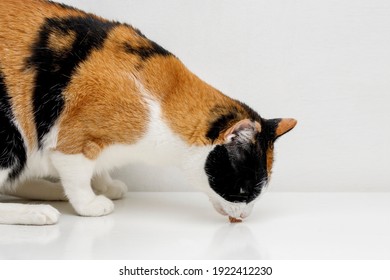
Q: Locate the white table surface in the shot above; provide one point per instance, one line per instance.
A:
(185, 226)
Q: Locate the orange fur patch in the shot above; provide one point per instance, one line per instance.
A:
(186, 100)
(270, 160)
(284, 126)
(60, 42)
(103, 105)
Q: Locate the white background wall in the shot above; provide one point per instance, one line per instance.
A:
(326, 63)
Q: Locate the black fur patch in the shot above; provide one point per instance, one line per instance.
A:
(12, 148)
(270, 127)
(219, 125)
(146, 52)
(54, 68)
(237, 171)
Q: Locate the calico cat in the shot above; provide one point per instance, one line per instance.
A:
(81, 95)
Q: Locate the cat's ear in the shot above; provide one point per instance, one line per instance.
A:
(281, 126)
(242, 131)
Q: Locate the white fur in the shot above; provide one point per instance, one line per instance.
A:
(76, 172)
(102, 183)
(15, 213)
(3, 175)
(236, 210)
(159, 145)
(39, 163)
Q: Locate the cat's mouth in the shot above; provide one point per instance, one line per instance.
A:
(237, 210)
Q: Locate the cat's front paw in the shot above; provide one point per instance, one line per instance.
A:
(99, 206)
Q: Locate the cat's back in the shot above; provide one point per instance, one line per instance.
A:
(23, 23)
(21, 19)
(84, 82)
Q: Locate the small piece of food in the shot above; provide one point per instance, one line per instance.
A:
(234, 220)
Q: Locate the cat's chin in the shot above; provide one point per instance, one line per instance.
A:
(238, 210)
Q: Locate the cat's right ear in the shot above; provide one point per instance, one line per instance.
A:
(242, 131)
(281, 126)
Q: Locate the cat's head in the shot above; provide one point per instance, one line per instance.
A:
(240, 167)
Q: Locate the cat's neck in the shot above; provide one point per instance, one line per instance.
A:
(193, 109)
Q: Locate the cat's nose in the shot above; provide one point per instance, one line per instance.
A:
(241, 197)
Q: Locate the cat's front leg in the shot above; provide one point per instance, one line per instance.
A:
(75, 173)
(102, 183)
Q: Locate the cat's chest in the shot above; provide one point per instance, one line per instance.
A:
(158, 146)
